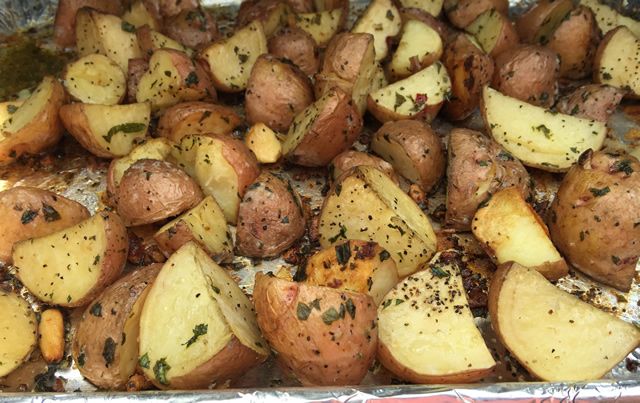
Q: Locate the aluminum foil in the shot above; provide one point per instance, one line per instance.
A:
(71, 171)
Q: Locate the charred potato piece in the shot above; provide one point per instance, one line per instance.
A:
(32, 213)
(324, 336)
(96, 252)
(494, 31)
(150, 40)
(197, 118)
(591, 101)
(593, 218)
(194, 29)
(264, 143)
(105, 344)
(616, 61)
(343, 162)
(537, 24)
(273, 14)
(298, 46)
(276, 92)
(382, 20)
(419, 47)
(270, 218)
(608, 18)
(64, 32)
(18, 332)
(461, 13)
(95, 79)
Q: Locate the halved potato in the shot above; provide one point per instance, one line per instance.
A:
(105, 344)
(539, 138)
(609, 19)
(231, 60)
(553, 334)
(433, 7)
(494, 31)
(35, 125)
(138, 15)
(18, 332)
(358, 266)
(322, 26)
(366, 205)
(197, 118)
(150, 41)
(263, 143)
(418, 96)
(205, 225)
(71, 266)
(382, 20)
(616, 60)
(426, 330)
(107, 131)
(208, 327)
(461, 13)
(194, 28)
(297, 46)
(95, 79)
(419, 46)
(537, 24)
(64, 32)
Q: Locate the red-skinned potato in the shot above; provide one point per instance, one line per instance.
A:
(419, 46)
(197, 118)
(149, 41)
(297, 46)
(494, 32)
(462, 12)
(616, 61)
(381, 19)
(170, 8)
(591, 101)
(273, 14)
(135, 71)
(193, 28)
(276, 92)
(412, 13)
(537, 24)
(19, 331)
(64, 26)
(343, 162)
(95, 79)
(141, 12)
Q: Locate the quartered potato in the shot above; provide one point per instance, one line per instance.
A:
(197, 117)
(537, 24)
(609, 19)
(297, 46)
(140, 13)
(273, 14)
(150, 41)
(616, 61)
(95, 79)
(461, 13)
(194, 28)
(18, 332)
(494, 32)
(64, 24)
(419, 47)
(591, 101)
(322, 26)
(264, 143)
(382, 20)
(343, 162)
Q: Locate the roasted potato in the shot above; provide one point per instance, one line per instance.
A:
(323, 335)
(35, 125)
(264, 143)
(270, 218)
(298, 46)
(95, 254)
(419, 47)
(197, 118)
(32, 213)
(538, 23)
(529, 73)
(616, 61)
(418, 14)
(135, 71)
(64, 32)
(273, 14)
(142, 12)
(461, 13)
(413, 149)
(382, 20)
(216, 338)
(593, 219)
(105, 344)
(322, 26)
(591, 101)
(553, 334)
(51, 337)
(343, 162)
(95, 79)
(150, 41)
(477, 168)
(538, 138)
(432, 7)
(365, 204)
(276, 92)
(494, 32)
(427, 314)
(18, 331)
(107, 131)
(194, 28)
(152, 190)
(608, 18)
(170, 8)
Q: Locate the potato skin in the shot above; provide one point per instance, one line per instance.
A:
(32, 213)
(193, 28)
(64, 26)
(304, 342)
(297, 46)
(242, 160)
(593, 219)
(105, 319)
(197, 118)
(136, 68)
(464, 12)
(270, 217)
(591, 101)
(276, 93)
(152, 190)
(412, 13)
(478, 167)
(170, 8)
(343, 162)
(528, 73)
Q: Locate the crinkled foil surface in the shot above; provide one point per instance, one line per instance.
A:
(69, 170)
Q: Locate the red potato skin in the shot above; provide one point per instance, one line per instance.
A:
(465, 11)
(136, 69)
(170, 8)
(193, 28)
(592, 101)
(412, 13)
(64, 26)
(298, 46)
(186, 66)
(196, 118)
(242, 159)
(343, 162)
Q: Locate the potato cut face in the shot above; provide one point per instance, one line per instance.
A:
(303, 122)
(138, 15)
(95, 79)
(381, 19)
(537, 137)
(321, 26)
(486, 29)
(160, 85)
(555, 335)
(117, 128)
(153, 149)
(160, 41)
(619, 61)
(231, 60)
(428, 333)
(7, 109)
(609, 18)
(18, 328)
(418, 42)
(264, 143)
(33, 106)
(433, 7)
(369, 206)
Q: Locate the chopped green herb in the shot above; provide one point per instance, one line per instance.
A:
(330, 315)
(384, 255)
(160, 371)
(192, 79)
(124, 128)
(96, 310)
(127, 27)
(109, 351)
(400, 99)
(599, 192)
(342, 234)
(399, 301)
(28, 216)
(615, 259)
(343, 253)
(505, 156)
(144, 361)
(351, 308)
(199, 330)
(386, 304)
(439, 272)
(623, 166)
(11, 109)
(606, 76)
(545, 130)
(50, 213)
(303, 311)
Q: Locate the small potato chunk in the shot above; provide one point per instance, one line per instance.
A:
(343, 162)
(152, 190)
(64, 31)
(31, 213)
(194, 29)
(413, 149)
(105, 344)
(609, 19)
(537, 24)
(95, 79)
(494, 31)
(322, 26)
(591, 101)
(51, 334)
(141, 13)
(324, 336)
(529, 73)
(553, 334)
(420, 46)
(616, 61)
(461, 13)
(18, 330)
(276, 92)
(270, 218)
(71, 266)
(197, 118)
(593, 219)
(107, 131)
(298, 46)
(150, 41)
(382, 20)
(273, 14)
(264, 144)
(357, 266)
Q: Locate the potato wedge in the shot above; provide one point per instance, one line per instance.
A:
(322, 26)
(418, 14)
(382, 20)
(366, 205)
(95, 79)
(616, 61)
(416, 320)
(273, 14)
(231, 60)
(107, 131)
(461, 13)
(357, 266)
(418, 96)
(591, 101)
(197, 118)
(343, 162)
(35, 125)
(494, 32)
(433, 7)
(64, 32)
(419, 47)
(263, 143)
(105, 344)
(324, 336)
(214, 336)
(297, 46)
(96, 252)
(18, 332)
(204, 225)
(609, 19)
(543, 326)
(51, 335)
(150, 41)
(537, 25)
(541, 139)
(194, 28)
(32, 213)
(139, 13)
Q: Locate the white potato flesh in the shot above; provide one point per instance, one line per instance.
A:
(321, 26)
(28, 110)
(264, 143)
(418, 41)
(117, 128)
(18, 328)
(382, 20)
(609, 18)
(433, 7)
(619, 61)
(95, 79)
